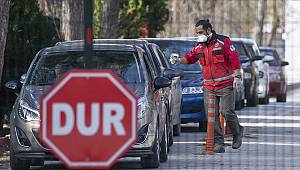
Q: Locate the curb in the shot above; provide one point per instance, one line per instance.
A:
(293, 86)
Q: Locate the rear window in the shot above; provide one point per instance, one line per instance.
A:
(181, 48)
(271, 53)
(241, 50)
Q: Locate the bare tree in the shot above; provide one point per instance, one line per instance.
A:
(4, 11)
(4, 18)
(72, 26)
(262, 13)
(109, 19)
(275, 23)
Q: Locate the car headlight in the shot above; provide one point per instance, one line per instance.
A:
(192, 90)
(141, 107)
(261, 74)
(274, 77)
(27, 113)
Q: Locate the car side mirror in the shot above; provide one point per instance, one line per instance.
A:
(161, 82)
(268, 58)
(23, 78)
(12, 86)
(257, 57)
(284, 63)
(171, 73)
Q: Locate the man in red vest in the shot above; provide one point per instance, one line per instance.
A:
(221, 72)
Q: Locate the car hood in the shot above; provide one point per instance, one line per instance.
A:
(32, 95)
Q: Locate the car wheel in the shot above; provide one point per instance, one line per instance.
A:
(264, 100)
(203, 126)
(281, 98)
(17, 164)
(238, 105)
(253, 101)
(152, 161)
(177, 129)
(164, 146)
(243, 103)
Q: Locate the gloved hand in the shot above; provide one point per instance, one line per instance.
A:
(237, 82)
(174, 59)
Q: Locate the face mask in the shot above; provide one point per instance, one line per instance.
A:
(203, 38)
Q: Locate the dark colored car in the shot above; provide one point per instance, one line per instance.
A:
(277, 84)
(152, 142)
(192, 107)
(251, 74)
(263, 68)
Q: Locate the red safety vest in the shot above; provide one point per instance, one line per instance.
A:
(218, 59)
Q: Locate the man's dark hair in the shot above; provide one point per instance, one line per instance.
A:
(205, 24)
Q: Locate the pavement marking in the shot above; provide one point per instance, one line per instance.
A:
(281, 125)
(283, 105)
(248, 143)
(275, 135)
(269, 117)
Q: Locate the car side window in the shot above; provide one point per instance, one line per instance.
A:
(156, 62)
(148, 68)
(162, 58)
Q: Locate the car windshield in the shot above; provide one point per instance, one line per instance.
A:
(181, 48)
(270, 52)
(241, 51)
(126, 65)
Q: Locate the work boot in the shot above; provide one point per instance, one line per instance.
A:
(219, 148)
(237, 140)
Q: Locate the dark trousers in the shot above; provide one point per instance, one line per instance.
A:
(224, 103)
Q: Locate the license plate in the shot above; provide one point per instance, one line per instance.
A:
(247, 75)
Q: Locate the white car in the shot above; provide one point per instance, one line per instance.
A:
(263, 68)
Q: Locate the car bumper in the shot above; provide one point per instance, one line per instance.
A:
(35, 149)
(276, 88)
(192, 108)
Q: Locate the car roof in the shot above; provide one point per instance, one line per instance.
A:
(245, 40)
(266, 48)
(108, 41)
(178, 39)
(79, 46)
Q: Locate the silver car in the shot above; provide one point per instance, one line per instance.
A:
(50, 63)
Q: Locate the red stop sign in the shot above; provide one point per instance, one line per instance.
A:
(88, 119)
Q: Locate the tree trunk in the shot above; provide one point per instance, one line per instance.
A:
(72, 25)
(262, 13)
(4, 18)
(4, 11)
(275, 23)
(109, 19)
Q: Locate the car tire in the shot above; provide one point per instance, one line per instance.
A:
(243, 103)
(203, 126)
(17, 164)
(281, 98)
(265, 100)
(177, 129)
(253, 101)
(164, 146)
(238, 105)
(152, 161)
